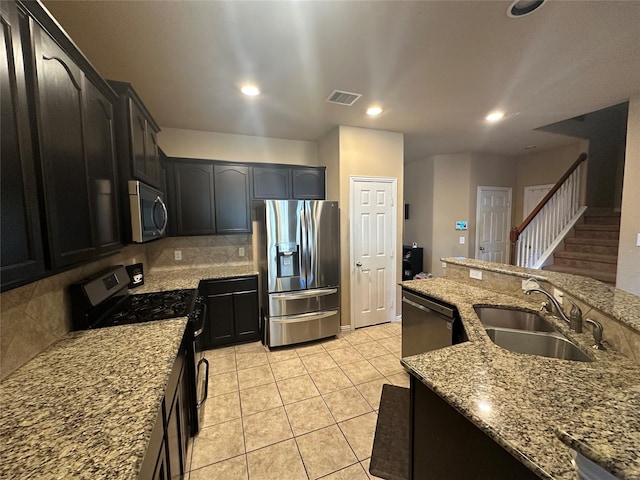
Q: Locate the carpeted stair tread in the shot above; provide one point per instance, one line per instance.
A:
(589, 257)
(391, 444)
(592, 241)
(602, 276)
(597, 227)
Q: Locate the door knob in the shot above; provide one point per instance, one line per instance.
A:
(481, 248)
(358, 264)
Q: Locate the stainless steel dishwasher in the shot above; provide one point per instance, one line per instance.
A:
(426, 324)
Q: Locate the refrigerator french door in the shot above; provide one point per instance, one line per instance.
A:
(299, 259)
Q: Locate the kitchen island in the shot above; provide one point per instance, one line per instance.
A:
(523, 402)
(86, 406)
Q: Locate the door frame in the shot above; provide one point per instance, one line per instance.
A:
(394, 221)
(480, 190)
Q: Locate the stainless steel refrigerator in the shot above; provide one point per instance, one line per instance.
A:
(297, 247)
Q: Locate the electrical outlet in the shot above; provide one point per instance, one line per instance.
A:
(444, 264)
(559, 295)
(477, 274)
(638, 241)
(241, 251)
(177, 254)
(461, 240)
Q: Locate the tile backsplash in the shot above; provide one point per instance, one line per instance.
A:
(34, 316)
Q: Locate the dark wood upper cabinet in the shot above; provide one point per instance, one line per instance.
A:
(136, 132)
(22, 252)
(233, 209)
(101, 163)
(271, 183)
(194, 198)
(59, 95)
(308, 183)
(59, 201)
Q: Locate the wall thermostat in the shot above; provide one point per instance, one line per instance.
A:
(461, 225)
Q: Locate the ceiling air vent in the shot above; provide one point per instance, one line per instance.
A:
(343, 98)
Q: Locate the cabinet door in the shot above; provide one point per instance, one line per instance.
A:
(173, 435)
(59, 88)
(138, 125)
(161, 471)
(22, 254)
(233, 212)
(194, 199)
(220, 327)
(308, 183)
(152, 158)
(246, 320)
(271, 183)
(101, 165)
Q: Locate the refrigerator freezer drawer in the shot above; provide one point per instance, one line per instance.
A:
(303, 328)
(303, 301)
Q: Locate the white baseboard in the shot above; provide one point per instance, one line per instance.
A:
(345, 328)
(398, 318)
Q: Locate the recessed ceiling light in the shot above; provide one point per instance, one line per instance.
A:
(373, 111)
(250, 90)
(520, 8)
(494, 116)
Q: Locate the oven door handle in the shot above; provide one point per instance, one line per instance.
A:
(206, 381)
(203, 315)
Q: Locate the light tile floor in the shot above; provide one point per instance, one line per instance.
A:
(301, 412)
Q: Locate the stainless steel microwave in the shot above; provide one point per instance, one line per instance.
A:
(148, 212)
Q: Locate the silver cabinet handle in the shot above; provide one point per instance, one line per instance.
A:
(206, 381)
(309, 293)
(304, 317)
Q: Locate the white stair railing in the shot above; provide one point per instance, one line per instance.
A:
(536, 238)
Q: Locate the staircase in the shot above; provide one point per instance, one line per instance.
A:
(591, 248)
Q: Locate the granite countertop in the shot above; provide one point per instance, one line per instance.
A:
(162, 279)
(86, 406)
(621, 305)
(525, 401)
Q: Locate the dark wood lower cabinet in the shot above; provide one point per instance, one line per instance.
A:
(166, 454)
(232, 311)
(445, 445)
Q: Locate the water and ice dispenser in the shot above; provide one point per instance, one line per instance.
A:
(288, 256)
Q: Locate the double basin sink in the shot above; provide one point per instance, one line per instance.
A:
(526, 332)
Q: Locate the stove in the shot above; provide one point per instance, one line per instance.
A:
(104, 301)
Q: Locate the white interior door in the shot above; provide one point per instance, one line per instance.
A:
(532, 197)
(493, 224)
(373, 239)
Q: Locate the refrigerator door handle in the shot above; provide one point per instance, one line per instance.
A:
(304, 294)
(304, 240)
(305, 317)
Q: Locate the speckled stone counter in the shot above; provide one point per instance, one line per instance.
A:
(621, 305)
(85, 407)
(522, 400)
(158, 280)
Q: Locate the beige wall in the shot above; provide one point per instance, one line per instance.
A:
(39, 314)
(361, 152)
(628, 276)
(418, 193)
(543, 168)
(329, 156)
(236, 148)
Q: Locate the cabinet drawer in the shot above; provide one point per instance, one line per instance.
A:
(229, 285)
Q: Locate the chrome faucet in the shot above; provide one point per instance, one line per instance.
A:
(574, 320)
(597, 333)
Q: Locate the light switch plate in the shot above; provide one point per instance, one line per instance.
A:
(638, 241)
(461, 240)
(477, 274)
(177, 254)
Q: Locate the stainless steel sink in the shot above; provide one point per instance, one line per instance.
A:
(516, 319)
(537, 343)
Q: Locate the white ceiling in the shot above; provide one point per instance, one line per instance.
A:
(436, 67)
